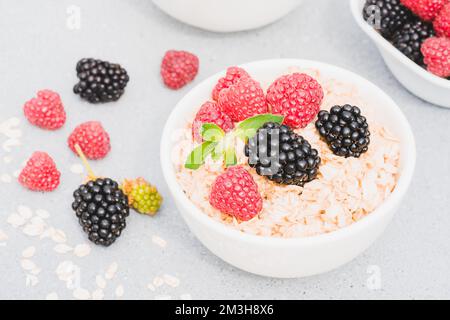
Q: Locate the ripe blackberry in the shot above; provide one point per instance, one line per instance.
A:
(386, 16)
(345, 130)
(101, 208)
(410, 37)
(281, 155)
(100, 81)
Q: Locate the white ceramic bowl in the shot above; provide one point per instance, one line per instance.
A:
(416, 79)
(227, 15)
(299, 257)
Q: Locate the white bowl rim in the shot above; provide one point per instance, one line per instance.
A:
(379, 40)
(388, 205)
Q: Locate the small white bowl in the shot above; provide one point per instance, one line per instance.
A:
(227, 15)
(416, 79)
(294, 257)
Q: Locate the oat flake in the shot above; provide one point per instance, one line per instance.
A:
(25, 212)
(100, 281)
(5, 178)
(119, 291)
(62, 248)
(31, 281)
(158, 282)
(159, 241)
(27, 264)
(81, 294)
(98, 294)
(29, 252)
(3, 236)
(16, 220)
(43, 214)
(33, 230)
(76, 168)
(58, 236)
(111, 271)
(171, 281)
(52, 296)
(82, 250)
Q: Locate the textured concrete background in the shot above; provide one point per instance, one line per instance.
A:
(38, 50)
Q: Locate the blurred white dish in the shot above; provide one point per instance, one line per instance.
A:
(416, 79)
(227, 15)
(293, 257)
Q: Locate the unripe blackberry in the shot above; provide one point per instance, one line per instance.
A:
(345, 130)
(281, 155)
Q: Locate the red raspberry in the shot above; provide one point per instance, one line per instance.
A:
(233, 76)
(236, 193)
(243, 100)
(425, 9)
(92, 139)
(442, 22)
(178, 68)
(46, 110)
(297, 96)
(40, 173)
(210, 113)
(436, 52)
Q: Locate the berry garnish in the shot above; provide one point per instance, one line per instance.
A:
(178, 68)
(210, 113)
(101, 207)
(442, 22)
(233, 76)
(410, 37)
(92, 138)
(296, 96)
(436, 53)
(282, 156)
(345, 130)
(386, 16)
(243, 100)
(426, 9)
(100, 81)
(220, 145)
(142, 196)
(236, 193)
(45, 110)
(40, 173)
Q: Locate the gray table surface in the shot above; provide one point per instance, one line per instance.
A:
(39, 50)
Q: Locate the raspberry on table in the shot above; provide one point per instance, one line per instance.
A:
(436, 53)
(101, 208)
(92, 138)
(100, 81)
(142, 196)
(46, 110)
(297, 96)
(40, 173)
(210, 113)
(345, 130)
(243, 100)
(236, 193)
(178, 68)
(282, 156)
(233, 76)
(427, 10)
(442, 22)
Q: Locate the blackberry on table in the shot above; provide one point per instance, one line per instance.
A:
(100, 81)
(281, 155)
(101, 208)
(410, 37)
(386, 16)
(345, 130)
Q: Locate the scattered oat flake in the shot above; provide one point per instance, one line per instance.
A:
(62, 248)
(3, 236)
(29, 252)
(171, 281)
(163, 297)
(27, 264)
(5, 178)
(33, 230)
(31, 280)
(76, 168)
(158, 281)
(186, 296)
(16, 220)
(119, 291)
(98, 294)
(25, 212)
(52, 296)
(159, 241)
(111, 271)
(81, 294)
(100, 281)
(59, 236)
(82, 250)
(43, 214)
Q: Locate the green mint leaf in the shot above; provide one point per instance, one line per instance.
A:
(230, 157)
(211, 132)
(197, 157)
(248, 127)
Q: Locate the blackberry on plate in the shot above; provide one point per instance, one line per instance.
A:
(101, 208)
(386, 16)
(410, 37)
(281, 155)
(100, 81)
(345, 130)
